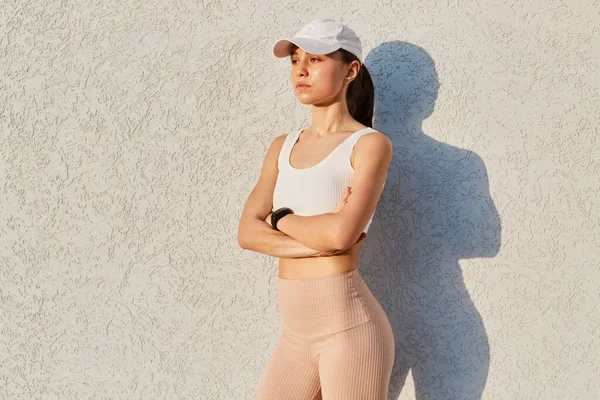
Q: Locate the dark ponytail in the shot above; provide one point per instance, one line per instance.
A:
(360, 94)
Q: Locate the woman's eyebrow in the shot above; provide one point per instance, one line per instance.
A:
(293, 53)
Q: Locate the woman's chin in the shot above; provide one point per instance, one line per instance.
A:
(305, 98)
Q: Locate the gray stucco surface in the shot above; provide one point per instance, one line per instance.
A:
(132, 133)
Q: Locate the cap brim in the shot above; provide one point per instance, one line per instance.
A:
(283, 47)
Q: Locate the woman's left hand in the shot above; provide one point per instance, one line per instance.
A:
(344, 199)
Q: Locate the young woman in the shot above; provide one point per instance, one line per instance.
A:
(311, 207)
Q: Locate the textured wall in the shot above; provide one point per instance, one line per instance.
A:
(132, 133)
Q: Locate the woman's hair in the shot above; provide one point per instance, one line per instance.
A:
(360, 94)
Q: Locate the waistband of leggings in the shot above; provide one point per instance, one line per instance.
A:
(319, 306)
(322, 278)
(319, 287)
(316, 298)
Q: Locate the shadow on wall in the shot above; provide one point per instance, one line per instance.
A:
(437, 210)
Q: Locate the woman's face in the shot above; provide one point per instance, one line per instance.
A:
(323, 74)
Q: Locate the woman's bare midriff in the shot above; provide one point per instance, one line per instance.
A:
(316, 267)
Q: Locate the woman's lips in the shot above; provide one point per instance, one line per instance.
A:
(302, 87)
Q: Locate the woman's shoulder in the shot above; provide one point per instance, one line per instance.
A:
(374, 141)
(283, 137)
(279, 142)
(374, 137)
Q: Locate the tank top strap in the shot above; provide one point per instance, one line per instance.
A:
(352, 141)
(286, 148)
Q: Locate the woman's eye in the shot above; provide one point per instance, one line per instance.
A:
(314, 58)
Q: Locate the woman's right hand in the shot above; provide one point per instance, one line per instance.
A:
(340, 205)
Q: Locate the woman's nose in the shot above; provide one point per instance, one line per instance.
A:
(301, 70)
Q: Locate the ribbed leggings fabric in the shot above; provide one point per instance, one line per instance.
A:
(336, 344)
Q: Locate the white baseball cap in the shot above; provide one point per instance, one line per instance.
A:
(321, 36)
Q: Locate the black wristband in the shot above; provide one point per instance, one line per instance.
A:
(278, 214)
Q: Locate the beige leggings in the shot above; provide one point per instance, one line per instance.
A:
(337, 342)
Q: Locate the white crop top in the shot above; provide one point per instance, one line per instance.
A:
(317, 189)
